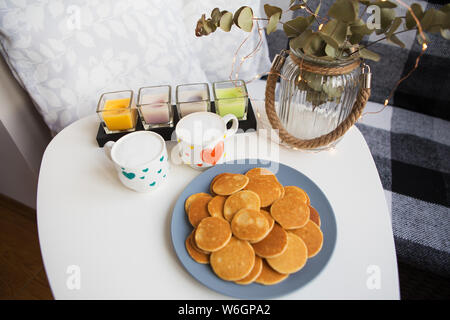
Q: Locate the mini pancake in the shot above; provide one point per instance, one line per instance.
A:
(191, 198)
(229, 184)
(198, 256)
(271, 224)
(293, 259)
(256, 172)
(273, 245)
(194, 245)
(312, 236)
(256, 271)
(212, 234)
(233, 262)
(283, 192)
(269, 276)
(314, 216)
(267, 187)
(296, 192)
(215, 206)
(269, 218)
(250, 225)
(198, 210)
(240, 200)
(290, 212)
(215, 179)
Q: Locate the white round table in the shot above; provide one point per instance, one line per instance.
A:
(100, 240)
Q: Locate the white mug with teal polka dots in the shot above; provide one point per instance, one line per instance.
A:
(140, 159)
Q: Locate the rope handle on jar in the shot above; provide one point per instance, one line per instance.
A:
(342, 128)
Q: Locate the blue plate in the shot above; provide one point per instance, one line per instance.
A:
(181, 228)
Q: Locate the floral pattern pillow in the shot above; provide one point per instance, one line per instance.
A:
(65, 54)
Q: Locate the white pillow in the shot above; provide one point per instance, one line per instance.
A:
(66, 54)
(216, 51)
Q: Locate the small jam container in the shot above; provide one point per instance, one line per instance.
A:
(117, 111)
(231, 97)
(192, 98)
(155, 108)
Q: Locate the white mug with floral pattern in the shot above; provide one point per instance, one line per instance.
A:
(201, 138)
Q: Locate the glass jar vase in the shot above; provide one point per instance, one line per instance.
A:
(313, 104)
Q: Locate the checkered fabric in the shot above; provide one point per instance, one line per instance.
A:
(410, 144)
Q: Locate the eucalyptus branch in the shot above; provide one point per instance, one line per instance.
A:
(384, 38)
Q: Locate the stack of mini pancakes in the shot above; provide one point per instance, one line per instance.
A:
(251, 228)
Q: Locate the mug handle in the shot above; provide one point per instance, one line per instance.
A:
(234, 127)
(108, 147)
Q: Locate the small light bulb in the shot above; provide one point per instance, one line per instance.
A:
(320, 26)
(386, 102)
(424, 46)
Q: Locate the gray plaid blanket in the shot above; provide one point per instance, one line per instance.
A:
(410, 144)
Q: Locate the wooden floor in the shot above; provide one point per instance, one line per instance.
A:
(22, 274)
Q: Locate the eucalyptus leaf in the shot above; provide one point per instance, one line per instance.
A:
(394, 39)
(344, 10)
(387, 15)
(394, 26)
(226, 21)
(367, 54)
(273, 22)
(299, 42)
(332, 90)
(316, 12)
(365, 2)
(295, 27)
(245, 19)
(420, 40)
(297, 7)
(314, 81)
(315, 46)
(334, 33)
(433, 20)
(330, 51)
(204, 27)
(446, 24)
(385, 4)
(236, 16)
(358, 30)
(271, 10)
(445, 33)
(418, 12)
(215, 16)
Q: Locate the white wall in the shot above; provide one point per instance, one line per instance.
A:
(23, 139)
